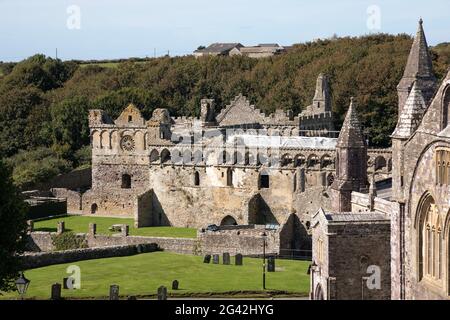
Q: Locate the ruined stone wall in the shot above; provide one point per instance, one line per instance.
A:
(74, 199)
(179, 202)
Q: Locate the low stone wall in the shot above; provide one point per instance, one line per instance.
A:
(42, 242)
(41, 259)
(177, 245)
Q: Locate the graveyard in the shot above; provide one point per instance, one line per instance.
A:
(141, 276)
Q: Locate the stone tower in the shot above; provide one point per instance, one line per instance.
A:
(322, 100)
(415, 91)
(351, 162)
(418, 69)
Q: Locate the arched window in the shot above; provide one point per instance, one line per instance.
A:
(165, 156)
(126, 181)
(431, 241)
(94, 208)
(196, 178)
(154, 155)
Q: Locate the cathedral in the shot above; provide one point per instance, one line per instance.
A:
(392, 244)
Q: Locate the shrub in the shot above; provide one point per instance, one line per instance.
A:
(68, 241)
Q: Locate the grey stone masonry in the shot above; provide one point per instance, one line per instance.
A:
(61, 227)
(125, 230)
(92, 229)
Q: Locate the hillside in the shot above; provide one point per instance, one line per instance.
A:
(44, 102)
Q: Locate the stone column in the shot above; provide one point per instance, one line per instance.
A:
(125, 230)
(92, 229)
(61, 227)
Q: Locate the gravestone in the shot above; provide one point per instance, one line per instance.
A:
(162, 293)
(56, 291)
(207, 258)
(226, 258)
(92, 229)
(114, 292)
(61, 227)
(271, 264)
(238, 259)
(175, 284)
(215, 258)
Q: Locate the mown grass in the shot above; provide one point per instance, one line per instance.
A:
(141, 275)
(80, 224)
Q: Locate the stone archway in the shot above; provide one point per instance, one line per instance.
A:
(228, 221)
(94, 208)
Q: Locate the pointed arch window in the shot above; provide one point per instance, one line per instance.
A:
(432, 244)
(442, 165)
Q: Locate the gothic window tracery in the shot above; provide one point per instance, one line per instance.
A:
(432, 243)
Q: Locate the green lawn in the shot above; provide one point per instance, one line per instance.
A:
(80, 224)
(141, 275)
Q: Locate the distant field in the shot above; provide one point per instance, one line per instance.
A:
(80, 224)
(141, 275)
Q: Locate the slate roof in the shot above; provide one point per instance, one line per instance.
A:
(412, 113)
(419, 61)
(219, 48)
(351, 133)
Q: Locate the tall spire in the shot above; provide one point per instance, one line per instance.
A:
(351, 133)
(419, 61)
(418, 68)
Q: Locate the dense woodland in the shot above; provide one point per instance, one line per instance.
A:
(44, 102)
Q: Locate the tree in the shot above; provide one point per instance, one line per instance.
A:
(12, 229)
(70, 127)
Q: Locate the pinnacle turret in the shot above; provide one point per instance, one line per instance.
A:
(351, 134)
(418, 68)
